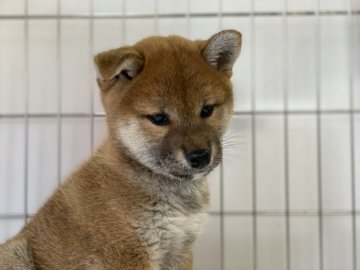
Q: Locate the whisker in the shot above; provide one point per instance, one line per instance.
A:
(226, 156)
(232, 138)
(233, 144)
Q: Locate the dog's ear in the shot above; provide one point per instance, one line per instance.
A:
(221, 50)
(123, 64)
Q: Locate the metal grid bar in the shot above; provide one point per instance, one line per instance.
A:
(318, 133)
(285, 72)
(352, 130)
(180, 15)
(156, 17)
(123, 19)
(91, 49)
(291, 213)
(59, 92)
(222, 221)
(267, 213)
(238, 113)
(221, 214)
(187, 17)
(26, 114)
(222, 230)
(296, 213)
(253, 135)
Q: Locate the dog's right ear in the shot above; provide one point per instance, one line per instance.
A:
(122, 64)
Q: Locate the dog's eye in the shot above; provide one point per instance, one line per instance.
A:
(207, 111)
(159, 119)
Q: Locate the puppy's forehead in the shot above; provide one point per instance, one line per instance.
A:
(175, 72)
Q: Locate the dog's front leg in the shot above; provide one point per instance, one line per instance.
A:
(14, 255)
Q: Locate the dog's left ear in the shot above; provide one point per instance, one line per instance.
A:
(221, 50)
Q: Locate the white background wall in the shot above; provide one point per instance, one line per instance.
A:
(303, 162)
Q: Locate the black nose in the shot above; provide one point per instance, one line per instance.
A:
(198, 158)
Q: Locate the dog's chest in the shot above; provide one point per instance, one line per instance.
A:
(168, 236)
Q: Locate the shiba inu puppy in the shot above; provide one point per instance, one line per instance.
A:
(140, 201)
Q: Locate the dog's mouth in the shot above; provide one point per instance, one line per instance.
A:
(185, 174)
(178, 173)
(190, 177)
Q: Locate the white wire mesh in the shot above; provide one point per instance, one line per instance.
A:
(287, 195)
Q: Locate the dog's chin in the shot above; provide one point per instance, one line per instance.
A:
(180, 175)
(191, 177)
(183, 176)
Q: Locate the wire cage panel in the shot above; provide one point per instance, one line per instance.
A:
(287, 194)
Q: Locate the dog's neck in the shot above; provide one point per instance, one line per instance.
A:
(191, 194)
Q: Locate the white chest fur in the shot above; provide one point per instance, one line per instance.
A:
(168, 238)
(171, 220)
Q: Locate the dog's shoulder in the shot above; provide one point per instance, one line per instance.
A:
(15, 255)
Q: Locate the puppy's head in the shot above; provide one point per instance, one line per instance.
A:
(168, 100)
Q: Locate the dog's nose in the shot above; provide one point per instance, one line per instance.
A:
(198, 158)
